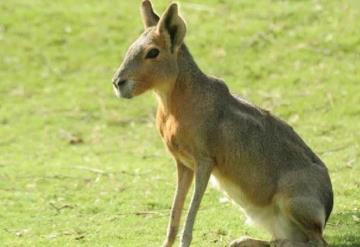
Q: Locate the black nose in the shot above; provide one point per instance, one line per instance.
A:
(118, 82)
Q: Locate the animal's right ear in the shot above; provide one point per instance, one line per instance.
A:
(149, 17)
(173, 25)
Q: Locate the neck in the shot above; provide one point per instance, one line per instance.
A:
(189, 74)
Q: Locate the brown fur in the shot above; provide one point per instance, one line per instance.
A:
(258, 160)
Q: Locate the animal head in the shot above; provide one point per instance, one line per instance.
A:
(151, 61)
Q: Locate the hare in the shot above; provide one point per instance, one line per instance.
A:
(257, 159)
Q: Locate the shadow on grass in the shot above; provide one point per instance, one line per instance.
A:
(351, 241)
(346, 230)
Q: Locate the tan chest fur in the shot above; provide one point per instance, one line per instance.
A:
(176, 137)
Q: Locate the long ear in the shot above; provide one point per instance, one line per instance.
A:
(149, 17)
(172, 24)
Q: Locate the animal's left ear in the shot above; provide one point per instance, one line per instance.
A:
(173, 25)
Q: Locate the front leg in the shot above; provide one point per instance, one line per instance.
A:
(184, 178)
(202, 175)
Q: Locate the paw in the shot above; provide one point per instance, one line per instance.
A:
(248, 242)
(166, 244)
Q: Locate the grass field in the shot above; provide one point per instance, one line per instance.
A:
(79, 167)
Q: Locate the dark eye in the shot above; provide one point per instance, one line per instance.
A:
(153, 53)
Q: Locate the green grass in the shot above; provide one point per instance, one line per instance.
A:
(79, 167)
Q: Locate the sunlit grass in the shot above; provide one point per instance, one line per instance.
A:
(80, 167)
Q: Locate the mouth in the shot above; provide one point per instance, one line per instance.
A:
(124, 89)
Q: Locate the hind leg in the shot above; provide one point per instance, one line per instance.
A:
(249, 242)
(301, 222)
(292, 222)
(289, 243)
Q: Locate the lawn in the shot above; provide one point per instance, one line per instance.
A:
(79, 167)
